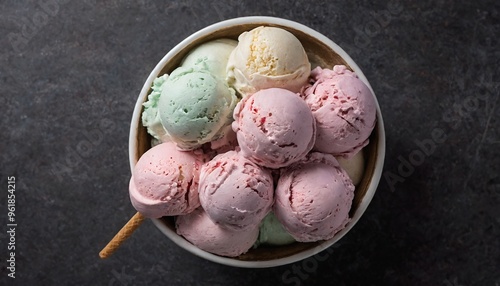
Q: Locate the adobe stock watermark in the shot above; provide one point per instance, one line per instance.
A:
(426, 147)
(453, 282)
(30, 25)
(74, 156)
(121, 278)
(301, 270)
(113, 4)
(379, 21)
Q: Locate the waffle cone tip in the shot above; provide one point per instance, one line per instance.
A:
(124, 233)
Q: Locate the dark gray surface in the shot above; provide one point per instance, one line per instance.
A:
(67, 95)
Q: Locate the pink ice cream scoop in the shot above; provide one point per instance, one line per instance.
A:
(227, 142)
(274, 127)
(313, 198)
(200, 230)
(165, 182)
(344, 108)
(235, 192)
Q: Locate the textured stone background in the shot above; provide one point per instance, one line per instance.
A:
(75, 76)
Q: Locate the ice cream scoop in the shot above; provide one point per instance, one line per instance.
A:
(268, 57)
(228, 142)
(313, 198)
(164, 182)
(272, 232)
(274, 127)
(200, 230)
(195, 106)
(150, 116)
(211, 56)
(235, 192)
(354, 166)
(344, 108)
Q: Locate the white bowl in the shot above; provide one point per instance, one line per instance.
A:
(321, 51)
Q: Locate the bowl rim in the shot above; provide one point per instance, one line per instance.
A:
(379, 162)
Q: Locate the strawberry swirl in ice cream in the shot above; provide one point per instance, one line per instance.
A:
(344, 108)
(200, 230)
(313, 198)
(235, 192)
(274, 127)
(165, 182)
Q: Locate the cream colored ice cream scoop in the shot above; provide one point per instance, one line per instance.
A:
(268, 57)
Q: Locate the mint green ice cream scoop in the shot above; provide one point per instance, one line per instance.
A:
(195, 106)
(211, 56)
(272, 232)
(150, 115)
